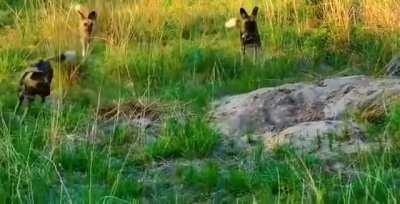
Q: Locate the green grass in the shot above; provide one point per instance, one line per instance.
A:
(60, 152)
(193, 139)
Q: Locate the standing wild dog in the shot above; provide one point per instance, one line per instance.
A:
(87, 25)
(249, 35)
(36, 79)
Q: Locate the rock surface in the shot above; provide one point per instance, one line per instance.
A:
(326, 138)
(303, 115)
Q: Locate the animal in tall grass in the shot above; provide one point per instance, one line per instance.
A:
(249, 34)
(86, 27)
(36, 79)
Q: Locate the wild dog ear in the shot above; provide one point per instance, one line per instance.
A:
(92, 15)
(243, 13)
(255, 11)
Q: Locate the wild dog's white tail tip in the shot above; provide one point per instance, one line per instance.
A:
(81, 9)
(232, 23)
(77, 7)
(70, 56)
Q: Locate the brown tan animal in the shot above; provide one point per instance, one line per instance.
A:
(249, 35)
(87, 26)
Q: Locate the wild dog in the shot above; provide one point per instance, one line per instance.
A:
(36, 79)
(249, 35)
(86, 27)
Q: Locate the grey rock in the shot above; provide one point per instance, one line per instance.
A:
(300, 109)
(324, 138)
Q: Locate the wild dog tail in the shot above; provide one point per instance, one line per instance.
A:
(233, 23)
(69, 56)
(80, 9)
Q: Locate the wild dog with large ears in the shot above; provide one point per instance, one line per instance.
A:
(247, 25)
(87, 25)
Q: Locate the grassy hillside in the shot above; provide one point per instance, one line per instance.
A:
(177, 54)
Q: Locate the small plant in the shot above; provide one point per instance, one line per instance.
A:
(393, 125)
(187, 139)
(206, 179)
(238, 182)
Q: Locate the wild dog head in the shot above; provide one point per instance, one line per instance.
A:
(87, 26)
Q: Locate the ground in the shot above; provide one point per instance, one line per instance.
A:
(176, 58)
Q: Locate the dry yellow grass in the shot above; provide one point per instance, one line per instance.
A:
(381, 16)
(339, 15)
(52, 26)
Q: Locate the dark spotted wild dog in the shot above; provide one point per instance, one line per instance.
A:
(86, 27)
(247, 25)
(36, 79)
